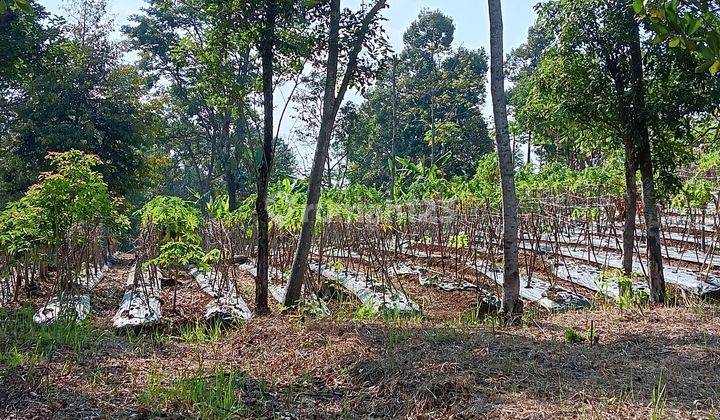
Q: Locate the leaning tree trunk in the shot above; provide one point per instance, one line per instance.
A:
(511, 305)
(644, 157)
(263, 176)
(332, 98)
(302, 251)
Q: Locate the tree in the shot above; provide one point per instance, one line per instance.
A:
(364, 27)
(203, 77)
(451, 118)
(641, 138)
(67, 88)
(428, 39)
(267, 53)
(511, 304)
(582, 103)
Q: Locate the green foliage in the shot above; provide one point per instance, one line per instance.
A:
(15, 5)
(365, 313)
(70, 91)
(217, 396)
(572, 336)
(699, 190)
(200, 333)
(692, 25)
(72, 194)
(460, 240)
(438, 86)
(659, 398)
(628, 297)
(177, 222)
(570, 96)
(24, 343)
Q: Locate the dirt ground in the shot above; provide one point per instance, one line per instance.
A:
(446, 364)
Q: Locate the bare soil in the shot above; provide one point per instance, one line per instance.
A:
(440, 366)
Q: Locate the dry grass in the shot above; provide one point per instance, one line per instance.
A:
(431, 368)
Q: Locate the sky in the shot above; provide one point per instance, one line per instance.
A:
(470, 17)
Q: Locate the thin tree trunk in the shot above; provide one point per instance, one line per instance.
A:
(511, 304)
(331, 105)
(529, 150)
(393, 148)
(263, 177)
(231, 184)
(644, 157)
(303, 249)
(432, 125)
(630, 207)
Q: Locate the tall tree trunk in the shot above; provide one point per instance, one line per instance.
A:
(229, 164)
(321, 152)
(393, 147)
(630, 206)
(263, 176)
(644, 157)
(231, 184)
(331, 105)
(511, 304)
(529, 147)
(432, 125)
(631, 193)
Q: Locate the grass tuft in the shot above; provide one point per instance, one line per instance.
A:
(25, 344)
(217, 396)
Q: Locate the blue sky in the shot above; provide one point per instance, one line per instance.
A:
(470, 16)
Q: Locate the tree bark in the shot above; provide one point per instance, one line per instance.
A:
(631, 193)
(529, 147)
(393, 146)
(511, 305)
(263, 176)
(331, 105)
(644, 157)
(630, 206)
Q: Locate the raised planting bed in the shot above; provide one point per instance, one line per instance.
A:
(548, 296)
(670, 252)
(701, 284)
(381, 297)
(72, 305)
(397, 268)
(140, 305)
(590, 277)
(228, 306)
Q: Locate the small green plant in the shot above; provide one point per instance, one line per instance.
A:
(460, 240)
(200, 333)
(395, 337)
(365, 313)
(573, 337)
(628, 298)
(216, 396)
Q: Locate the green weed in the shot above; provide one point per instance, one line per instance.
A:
(659, 398)
(572, 336)
(200, 333)
(216, 396)
(23, 343)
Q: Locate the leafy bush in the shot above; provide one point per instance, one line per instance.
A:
(68, 212)
(177, 222)
(73, 193)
